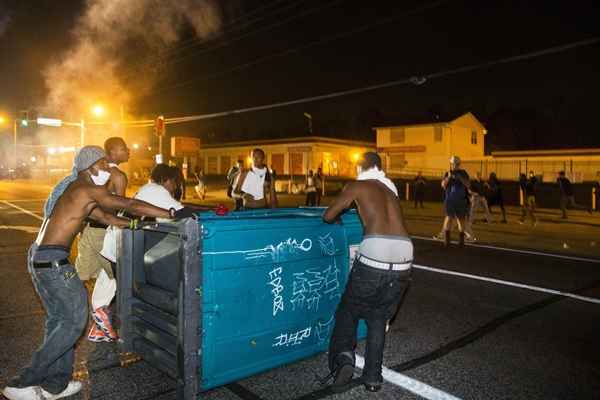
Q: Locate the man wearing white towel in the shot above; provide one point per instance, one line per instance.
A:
(255, 184)
(380, 274)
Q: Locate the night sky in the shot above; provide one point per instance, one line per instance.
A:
(549, 101)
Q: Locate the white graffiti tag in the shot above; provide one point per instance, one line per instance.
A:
(280, 251)
(324, 329)
(292, 338)
(311, 285)
(277, 289)
(327, 245)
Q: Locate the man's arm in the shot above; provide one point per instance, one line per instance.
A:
(342, 202)
(444, 182)
(103, 217)
(132, 206)
(240, 182)
(273, 203)
(118, 182)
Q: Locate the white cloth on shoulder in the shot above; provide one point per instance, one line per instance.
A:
(378, 175)
(255, 182)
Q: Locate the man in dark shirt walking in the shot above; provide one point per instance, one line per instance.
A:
(419, 185)
(456, 186)
(528, 187)
(567, 197)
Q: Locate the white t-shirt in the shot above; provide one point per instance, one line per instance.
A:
(158, 196)
(152, 193)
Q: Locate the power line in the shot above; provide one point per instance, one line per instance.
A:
(318, 42)
(416, 80)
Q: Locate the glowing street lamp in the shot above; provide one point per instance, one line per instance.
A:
(2, 120)
(136, 146)
(98, 110)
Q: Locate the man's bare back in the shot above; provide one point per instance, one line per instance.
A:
(83, 199)
(378, 207)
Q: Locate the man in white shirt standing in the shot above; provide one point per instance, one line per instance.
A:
(256, 183)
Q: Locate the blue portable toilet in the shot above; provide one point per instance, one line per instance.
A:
(225, 297)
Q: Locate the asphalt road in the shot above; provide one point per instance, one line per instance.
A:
(468, 338)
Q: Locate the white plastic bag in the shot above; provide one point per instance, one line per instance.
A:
(104, 290)
(109, 247)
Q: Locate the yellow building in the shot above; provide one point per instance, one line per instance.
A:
(294, 156)
(427, 146)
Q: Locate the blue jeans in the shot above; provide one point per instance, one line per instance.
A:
(373, 295)
(65, 300)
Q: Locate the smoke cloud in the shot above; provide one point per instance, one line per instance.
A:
(117, 44)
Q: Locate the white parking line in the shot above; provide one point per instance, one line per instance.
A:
(509, 283)
(23, 210)
(410, 384)
(536, 253)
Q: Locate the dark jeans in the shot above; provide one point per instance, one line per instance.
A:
(373, 295)
(311, 199)
(569, 201)
(65, 300)
(419, 197)
(239, 204)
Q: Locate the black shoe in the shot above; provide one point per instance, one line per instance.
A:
(343, 377)
(446, 238)
(372, 387)
(461, 240)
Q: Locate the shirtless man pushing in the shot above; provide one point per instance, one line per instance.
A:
(77, 197)
(380, 274)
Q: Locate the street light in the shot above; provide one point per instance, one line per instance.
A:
(2, 120)
(98, 110)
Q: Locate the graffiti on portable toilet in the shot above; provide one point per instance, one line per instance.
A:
(280, 251)
(277, 289)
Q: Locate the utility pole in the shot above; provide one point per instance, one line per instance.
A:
(122, 110)
(309, 117)
(15, 144)
(82, 133)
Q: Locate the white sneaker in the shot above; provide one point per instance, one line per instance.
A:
(72, 388)
(25, 393)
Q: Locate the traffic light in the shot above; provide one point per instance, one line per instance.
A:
(159, 126)
(24, 117)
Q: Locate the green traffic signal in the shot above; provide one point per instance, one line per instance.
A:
(24, 122)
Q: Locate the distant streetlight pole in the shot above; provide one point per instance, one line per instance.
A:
(309, 117)
(15, 143)
(81, 133)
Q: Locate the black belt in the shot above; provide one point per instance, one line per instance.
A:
(50, 264)
(94, 224)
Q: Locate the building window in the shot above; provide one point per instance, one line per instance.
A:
(473, 137)
(277, 163)
(296, 163)
(437, 134)
(397, 161)
(212, 167)
(397, 135)
(225, 164)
